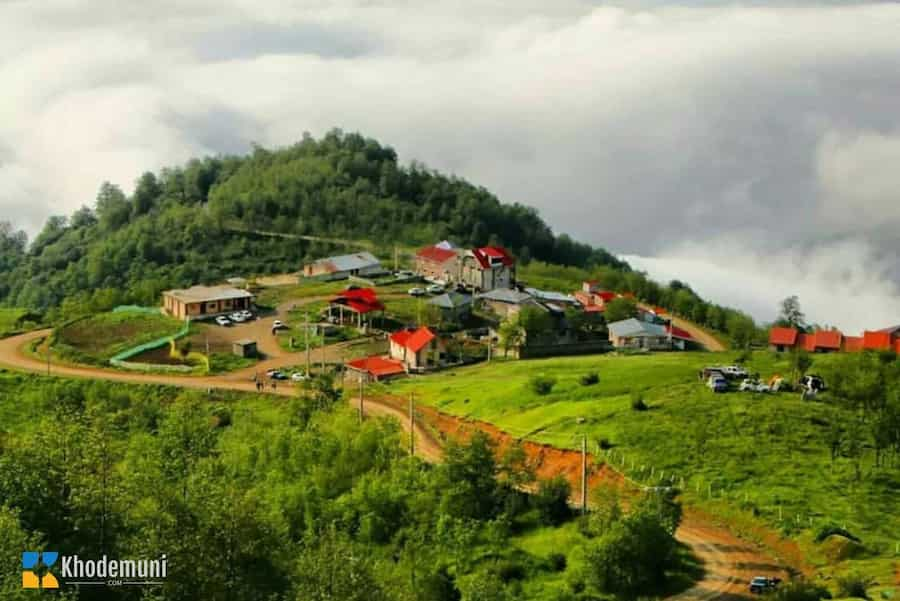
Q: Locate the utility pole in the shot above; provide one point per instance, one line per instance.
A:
(361, 384)
(322, 351)
(583, 474)
(306, 340)
(490, 345)
(412, 424)
(48, 356)
(396, 259)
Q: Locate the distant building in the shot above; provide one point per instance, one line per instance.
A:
(506, 301)
(418, 349)
(244, 348)
(198, 302)
(376, 368)
(454, 306)
(487, 268)
(357, 305)
(592, 298)
(439, 262)
(637, 334)
(829, 341)
(344, 266)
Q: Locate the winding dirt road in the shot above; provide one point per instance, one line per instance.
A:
(729, 563)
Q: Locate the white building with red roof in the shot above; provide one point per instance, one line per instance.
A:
(418, 349)
(488, 268)
(439, 262)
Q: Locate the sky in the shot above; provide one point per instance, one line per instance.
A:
(750, 149)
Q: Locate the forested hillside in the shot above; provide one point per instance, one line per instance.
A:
(178, 227)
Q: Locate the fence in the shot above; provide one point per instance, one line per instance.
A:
(121, 360)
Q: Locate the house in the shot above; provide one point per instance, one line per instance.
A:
(828, 341)
(681, 339)
(199, 302)
(487, 268)
(439, 262)
(376, 368)
(506, 301)
(557, 299)
(362, 303)
(344, 266)
(418, 349)
(592, 298)
(454, 306)
(636, 334)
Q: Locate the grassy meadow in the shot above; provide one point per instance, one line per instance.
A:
(94, 340)
(757, 457)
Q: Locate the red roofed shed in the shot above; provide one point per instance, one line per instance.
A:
(361, 301)
(781, 339)
(418, 349)
(377, 368)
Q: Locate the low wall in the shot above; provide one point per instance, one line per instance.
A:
(571, 348)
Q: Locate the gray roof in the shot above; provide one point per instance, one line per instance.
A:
(550, 295)
(359, 260)
(204, 294)
(451, 300)
(506, 295)
(635, 328)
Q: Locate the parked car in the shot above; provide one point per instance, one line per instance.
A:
(223, 321)
(237, 317)
(405, 274)
(417, 291)
(734, 372)
(298, 376)
(246, 314)
(278, 325)
(751, 385)
(435, 289)
(717, 384)
(276, 374)
(763, 584)
(812, 383)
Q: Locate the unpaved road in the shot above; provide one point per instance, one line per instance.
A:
(729, 562)
(710, 342)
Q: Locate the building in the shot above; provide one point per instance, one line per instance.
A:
(439, 263)
(487, 268)
(418, 349)
(376, 368)
(454, 306)
(199, 302)
(829, 341)
(357, 306)
(344, 266)
(637, 334)
(506, 301)
(244, 348)
(592, 298)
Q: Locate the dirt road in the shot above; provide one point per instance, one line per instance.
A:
(729, 562)
(710, 342)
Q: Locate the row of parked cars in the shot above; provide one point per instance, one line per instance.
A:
(718, 379)
(236, 317)
(277, 374)
(430, 289)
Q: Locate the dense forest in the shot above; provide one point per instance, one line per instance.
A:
(200, 222)
(257, 498)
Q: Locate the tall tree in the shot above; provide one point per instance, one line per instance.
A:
(790, 314)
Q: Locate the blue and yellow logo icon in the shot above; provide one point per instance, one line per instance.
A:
(36, 569)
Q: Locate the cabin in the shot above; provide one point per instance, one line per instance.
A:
(418, 349)
(783, 339)
(201, 302)
(505, 302)
(638, 334)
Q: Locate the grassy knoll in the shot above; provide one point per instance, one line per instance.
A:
(13, 320)
(765, 457)
(96, 339)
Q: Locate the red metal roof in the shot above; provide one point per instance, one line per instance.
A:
(828, 339)
(414, 340)
(361, 300)
(876, 340)
(783, 336)
(853, 344)
(606, 295)
(436, 254)
(378, 366)
(486, 253)
(678, 332)
(897, 346)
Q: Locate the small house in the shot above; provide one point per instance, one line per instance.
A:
(506, 301)
(454, 306)
(343, 266)
(418, 349)
(487, 268)
(199, 302)
(637, 334)
(376, 368)
(438, 263)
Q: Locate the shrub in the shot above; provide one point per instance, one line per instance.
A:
(557, 562)
(542, 384)
(800, 590)
(830, 529)
(589, 379)
(221, 417)
(509, 570)
(605, 444)
(552, 500)
(854, 585)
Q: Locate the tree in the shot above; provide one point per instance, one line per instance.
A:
(112, 207)
(512, 334)
(619, 309)
(470, 470)
(147, 192)
(552, 500)
(330, 567)
(790, 314)
(800, 363)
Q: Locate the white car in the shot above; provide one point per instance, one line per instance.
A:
(749, 385)
(223, 321)
(237, 317)
(733, 371)
(278, 324)
(298, 376)
(416, 292)
(246, 314)
(405, 274)
(435, 289)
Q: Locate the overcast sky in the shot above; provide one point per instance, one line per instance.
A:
(752, 150)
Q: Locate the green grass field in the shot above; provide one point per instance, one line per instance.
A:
(764, 457)
(96, 339)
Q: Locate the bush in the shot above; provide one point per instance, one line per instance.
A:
(830, 529)
(800, 590)
(552, 500)
(637, 401)
(854, 585)
(542, 384)
(510, 570)
(557, 562)
(221, 417)
(589, 379)
(605, 444)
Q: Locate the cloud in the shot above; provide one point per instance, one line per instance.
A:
(646, 127)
